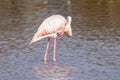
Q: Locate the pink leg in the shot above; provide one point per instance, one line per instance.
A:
(46, 52)
(54, 53)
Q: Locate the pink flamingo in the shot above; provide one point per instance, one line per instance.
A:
(52, 27)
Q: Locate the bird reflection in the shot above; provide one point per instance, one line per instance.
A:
(53, 72)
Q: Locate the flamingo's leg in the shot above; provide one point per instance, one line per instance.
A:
(54, 53)
(46, 52)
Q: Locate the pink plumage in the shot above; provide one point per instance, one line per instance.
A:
(53, 26)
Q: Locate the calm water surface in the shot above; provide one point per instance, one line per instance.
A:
(92, 53)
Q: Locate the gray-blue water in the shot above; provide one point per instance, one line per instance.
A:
(92, 53)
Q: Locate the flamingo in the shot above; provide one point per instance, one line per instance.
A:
(53, 26)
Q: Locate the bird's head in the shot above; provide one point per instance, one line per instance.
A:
(68, 29)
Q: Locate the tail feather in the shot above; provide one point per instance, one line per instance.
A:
(37, 36)
(41, 37)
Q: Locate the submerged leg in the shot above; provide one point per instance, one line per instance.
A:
(46, 52)
(54, 53)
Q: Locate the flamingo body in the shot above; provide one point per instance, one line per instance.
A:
(53, 26)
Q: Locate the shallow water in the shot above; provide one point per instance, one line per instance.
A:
(92, 53)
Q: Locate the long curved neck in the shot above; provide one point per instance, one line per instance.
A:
(69, 19)
(68, 29)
